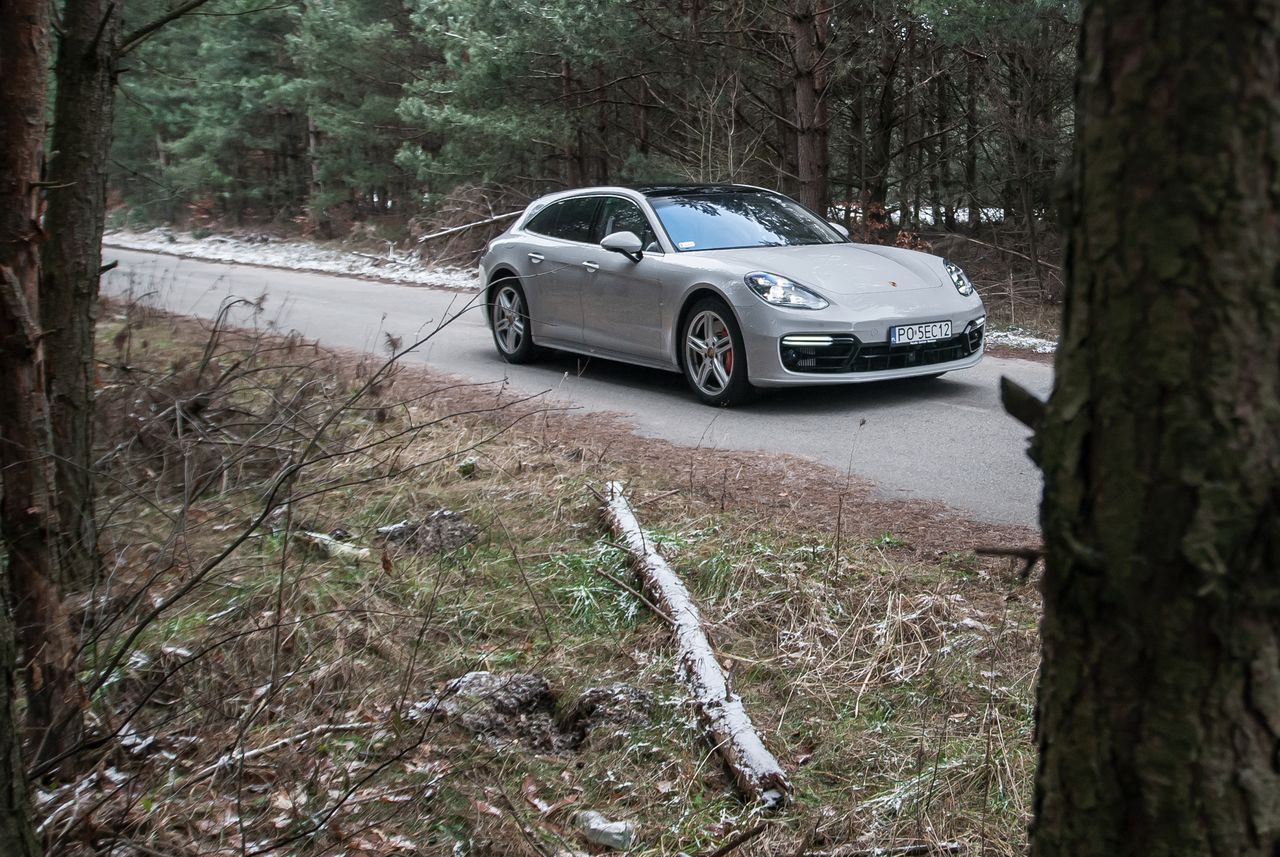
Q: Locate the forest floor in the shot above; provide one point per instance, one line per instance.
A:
(1018, 326)
(292, 695)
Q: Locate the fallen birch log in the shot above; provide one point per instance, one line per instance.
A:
(331, 546)
(757, 772)
(464, 227)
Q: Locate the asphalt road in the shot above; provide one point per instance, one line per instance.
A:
(946, 440)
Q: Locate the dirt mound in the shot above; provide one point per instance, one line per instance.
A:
(442, 530)
(501, 709)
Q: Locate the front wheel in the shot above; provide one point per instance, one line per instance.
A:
(715, 361)
(509, 318)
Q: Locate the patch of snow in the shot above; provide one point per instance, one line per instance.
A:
(295, 256)
(1015, 338)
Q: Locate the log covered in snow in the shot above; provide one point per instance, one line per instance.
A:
(453, 230)
(756, 771)
(331, 546)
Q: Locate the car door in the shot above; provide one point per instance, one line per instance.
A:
(622, 299)
(552, 271)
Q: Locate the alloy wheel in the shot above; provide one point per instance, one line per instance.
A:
(709, 354)
(509, 319)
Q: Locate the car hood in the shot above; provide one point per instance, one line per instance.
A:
(841, 269)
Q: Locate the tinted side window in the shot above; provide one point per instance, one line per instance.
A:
(544, 222)
(623, 215)
(576, 218)
(570, 219)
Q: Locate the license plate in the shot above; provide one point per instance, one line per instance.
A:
(914, 334)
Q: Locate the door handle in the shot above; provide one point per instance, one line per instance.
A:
(591, 266)
(536, 258)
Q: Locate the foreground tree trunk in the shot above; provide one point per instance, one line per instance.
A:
(26, 517)
(70, 262)
(17, 838)
(23, 56)
(1159, 699)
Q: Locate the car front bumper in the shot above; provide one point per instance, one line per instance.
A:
(790, 348)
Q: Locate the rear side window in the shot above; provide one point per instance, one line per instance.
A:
(570, 219)
(544, 222)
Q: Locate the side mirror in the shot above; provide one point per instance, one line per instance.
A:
(839, 227)
(626, 243)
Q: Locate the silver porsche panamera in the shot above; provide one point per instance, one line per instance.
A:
(737, 287)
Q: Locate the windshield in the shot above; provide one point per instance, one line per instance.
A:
(732, 219)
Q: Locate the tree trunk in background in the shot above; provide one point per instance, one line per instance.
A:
(70, 262)
(317, 214)
(602, 127)
(971, 145)
(1159, 697)
(907, 200)
(1017, 170)
(884, 118)
(573, 144)
(808, 46)
(944, 200)
(788, 151)
(26, 517)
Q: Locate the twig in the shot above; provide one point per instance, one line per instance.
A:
(228, 759)
(1006, 250)
(739, 839)
(524, 576)
(924, 849)
(1029, 553)
(636, 592)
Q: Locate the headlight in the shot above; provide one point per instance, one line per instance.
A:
(963, 286)
(779, 291)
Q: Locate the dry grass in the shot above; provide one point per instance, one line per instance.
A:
(275, 706)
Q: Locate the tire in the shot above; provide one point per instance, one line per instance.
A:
(713, 356)
(509, 321)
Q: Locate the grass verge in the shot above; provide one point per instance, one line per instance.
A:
(286, 700)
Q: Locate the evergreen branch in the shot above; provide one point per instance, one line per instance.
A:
(138, 36)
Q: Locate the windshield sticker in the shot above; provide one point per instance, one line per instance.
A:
(685, 245)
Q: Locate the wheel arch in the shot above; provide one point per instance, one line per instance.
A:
(696, 294)
(501, 272)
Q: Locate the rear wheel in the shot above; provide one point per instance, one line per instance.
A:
(714, 359)
(509, 318)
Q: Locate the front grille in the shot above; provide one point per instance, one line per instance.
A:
(840, 353)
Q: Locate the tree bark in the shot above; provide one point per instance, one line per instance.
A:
(1159, 696)
(808, 46)
(884, 120)
(70, 261)
(971, 145)
(317, 213)
(17, 837)
(26, 516)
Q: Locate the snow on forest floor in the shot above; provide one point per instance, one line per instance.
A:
(295, 255)
(1014, 337)
(394, 267)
